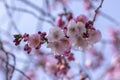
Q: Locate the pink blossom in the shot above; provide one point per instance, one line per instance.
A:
(66, 44)
(60, 47)
(74, 28)
(34, 41)
(75, 31)
(79, 42)
(71, 28)
(94, 36)
(55, 34)
(81, 18)
(81, 27)
(55, 47)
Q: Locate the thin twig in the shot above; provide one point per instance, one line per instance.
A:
(96, 11)
(108, 17)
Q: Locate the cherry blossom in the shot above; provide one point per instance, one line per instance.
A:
(81, 27)
(60, 47)
(94, 36)
(34, 40)
(72, 28)
(55, 34)
(79, 42)
(81, 18)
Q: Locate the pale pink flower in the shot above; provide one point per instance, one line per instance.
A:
(72, 28)
(81, 28)
(34, 41)
(75, 31)
(79, 42)
(94, 36)
(81, 18)
(65, 44)
(55, 34)
(60, 47)
(55, 47)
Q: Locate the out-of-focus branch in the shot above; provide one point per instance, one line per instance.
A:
(108, 17)
(14, 64)
(37, 8)
(31, 13)
(7, 64)
(10, 16)
(17, 69)
(7, 60)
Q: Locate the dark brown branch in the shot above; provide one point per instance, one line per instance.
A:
(106, 16)
(96, 11)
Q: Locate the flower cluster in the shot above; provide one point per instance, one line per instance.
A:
(55, 65)
(74, 32)
(32, 41)
(58, 42)
(77, 32)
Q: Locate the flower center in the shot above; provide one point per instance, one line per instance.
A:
(72, 29)
(35, 40)
(56, 36)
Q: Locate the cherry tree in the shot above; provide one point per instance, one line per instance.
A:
(48, 40)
